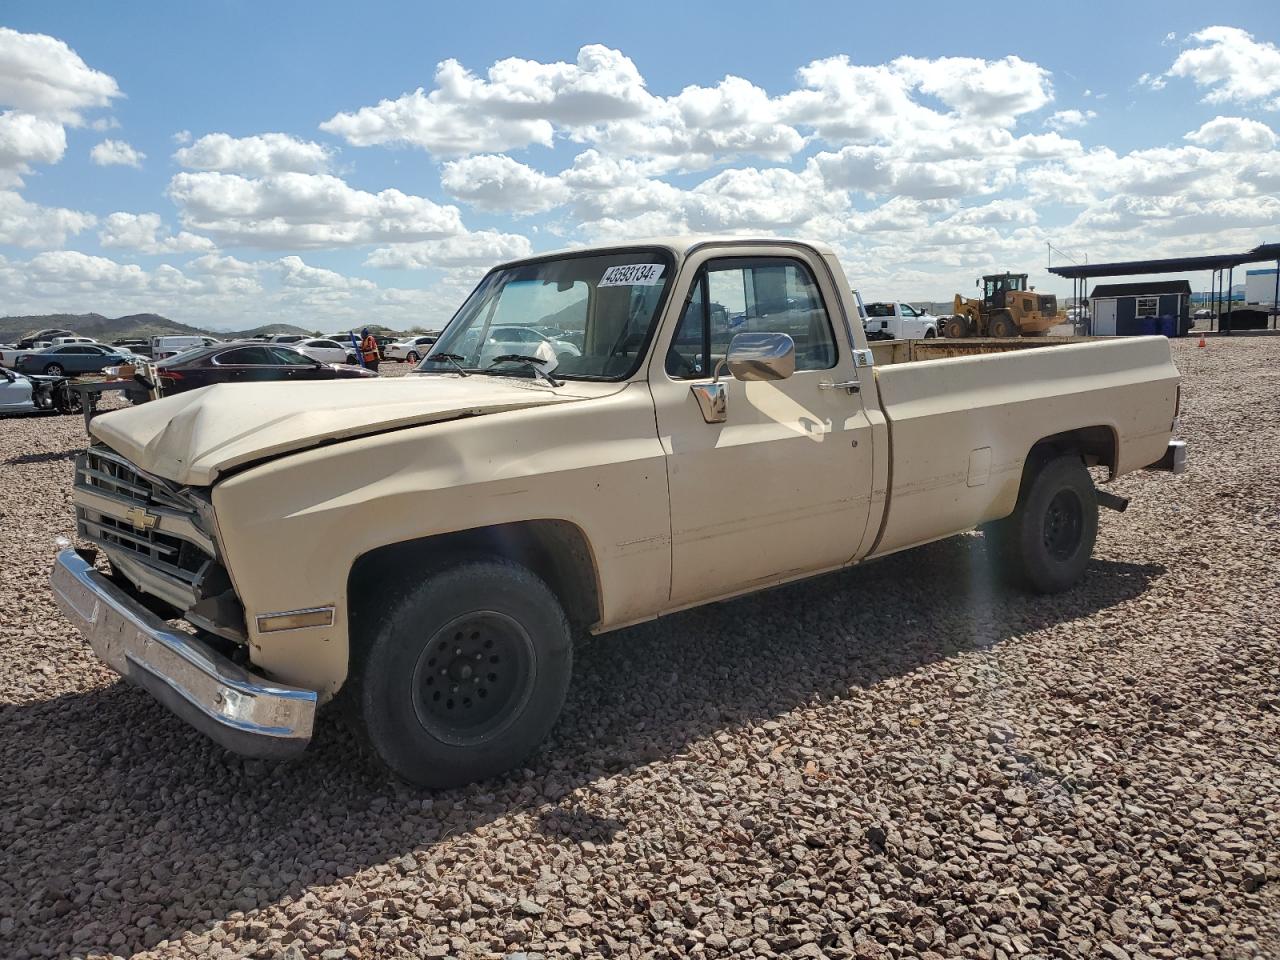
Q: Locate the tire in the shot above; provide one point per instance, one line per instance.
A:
(466, 674)
(930, 333)
(53, 370)
(1002, 325)
(1046, 543)
(956, 328)
(412, 357)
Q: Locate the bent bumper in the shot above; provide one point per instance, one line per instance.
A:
(243, 712)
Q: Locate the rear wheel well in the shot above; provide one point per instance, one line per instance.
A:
(555, 550)
(1096, 445)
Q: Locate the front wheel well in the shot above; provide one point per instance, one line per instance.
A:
(557, 551)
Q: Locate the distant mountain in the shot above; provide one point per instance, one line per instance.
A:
(135, 326)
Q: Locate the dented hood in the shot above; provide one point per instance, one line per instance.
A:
(193, 437)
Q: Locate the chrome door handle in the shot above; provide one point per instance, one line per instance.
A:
(853, 386)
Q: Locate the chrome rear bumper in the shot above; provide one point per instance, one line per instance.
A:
(243, 712)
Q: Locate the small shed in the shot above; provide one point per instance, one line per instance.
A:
(1147, 307)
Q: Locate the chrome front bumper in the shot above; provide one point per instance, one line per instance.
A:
(243, 712)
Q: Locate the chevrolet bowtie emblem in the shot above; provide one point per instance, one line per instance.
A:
(140, 519)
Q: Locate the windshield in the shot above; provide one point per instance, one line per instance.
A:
(585, 317)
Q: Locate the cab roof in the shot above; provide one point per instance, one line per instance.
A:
(680, 246)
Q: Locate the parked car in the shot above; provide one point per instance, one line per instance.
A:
(136, 346)
(519, 341)
(411, 349)
(73, 358)
(898, 321)
(286, 338)
(20, 393)
(247, 362)
(168, 346)
(45, 337)
(325, 350)
(59, 341)
(9, 356)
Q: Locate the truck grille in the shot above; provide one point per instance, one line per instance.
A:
(136, 517)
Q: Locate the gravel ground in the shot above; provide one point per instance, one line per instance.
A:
(898, 760)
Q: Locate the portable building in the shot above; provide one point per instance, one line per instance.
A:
(1147, 307)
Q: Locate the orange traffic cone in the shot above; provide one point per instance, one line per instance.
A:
(1202, 339)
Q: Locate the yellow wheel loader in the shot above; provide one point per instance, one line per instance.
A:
(1007, 309)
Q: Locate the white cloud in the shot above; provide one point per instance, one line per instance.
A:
(481, 249)
(42, 75)
(262, 154)
(182, 137)
(295, 273)
(26, 224)
(302, 210)
(26, 139)
(116, 153)
(103, 124)
(1234, 133)
(996, 91)
(145, 233)
(500, 184)
(515, 105)
(1064, 119)
(1232, 65)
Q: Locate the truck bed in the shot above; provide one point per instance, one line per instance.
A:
(962, 416)
(888, 352)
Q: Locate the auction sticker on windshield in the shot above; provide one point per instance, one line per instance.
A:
(632, 275)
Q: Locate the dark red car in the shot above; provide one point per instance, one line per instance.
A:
(249, 362)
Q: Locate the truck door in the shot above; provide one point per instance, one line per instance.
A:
(782, 486)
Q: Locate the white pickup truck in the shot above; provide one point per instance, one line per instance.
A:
(430, 545)
(898, 321)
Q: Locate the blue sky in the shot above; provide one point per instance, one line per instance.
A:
(948, 141)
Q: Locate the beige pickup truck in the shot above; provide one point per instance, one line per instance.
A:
(599, 437)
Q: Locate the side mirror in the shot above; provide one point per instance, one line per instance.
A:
(761, 356)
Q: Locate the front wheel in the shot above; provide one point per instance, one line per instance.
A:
(930, 333)
(1002, 326)
(412, 357)
(956, 328)
(466, 675)
(53, 370)
(1046, 543)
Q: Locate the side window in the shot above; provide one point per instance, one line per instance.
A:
(756, 295)
(245, 357)
(907, 311)
(288, 358)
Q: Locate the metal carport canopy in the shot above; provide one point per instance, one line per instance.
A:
(1218, 261)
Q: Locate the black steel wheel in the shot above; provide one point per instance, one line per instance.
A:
(1046, 543)
(465, 675)
(473, 676)
(1063, 524)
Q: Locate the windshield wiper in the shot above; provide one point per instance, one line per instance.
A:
(533, 363)
(453, 358)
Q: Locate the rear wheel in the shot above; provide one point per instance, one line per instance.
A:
(1002, 325)
(1046, 543)
(466, 675)
(413, 357)
(956, 327)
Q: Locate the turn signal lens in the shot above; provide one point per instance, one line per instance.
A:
(295, 619)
